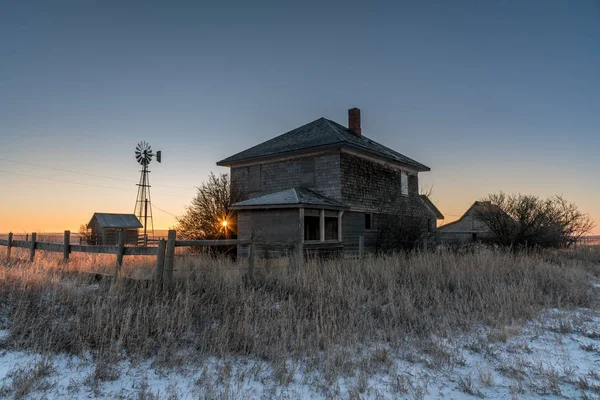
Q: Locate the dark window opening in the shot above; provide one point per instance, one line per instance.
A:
(331, 228)
(311, 228)
(368, 221)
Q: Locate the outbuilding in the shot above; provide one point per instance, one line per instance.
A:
(105, 227)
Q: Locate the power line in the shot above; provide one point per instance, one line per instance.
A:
(64, 181)
(79, 183)
(87, 174)
(166, 212)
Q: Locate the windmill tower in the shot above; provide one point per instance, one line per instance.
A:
(143, 205)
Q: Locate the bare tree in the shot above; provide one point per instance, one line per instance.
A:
(209, 216)
(528, 219)
(86, 235)
(426, 190)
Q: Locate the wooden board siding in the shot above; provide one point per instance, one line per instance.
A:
(111, 237)
(466, 230)
(353, 226)
(278, 227)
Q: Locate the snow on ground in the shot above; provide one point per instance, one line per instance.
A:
(555, 356)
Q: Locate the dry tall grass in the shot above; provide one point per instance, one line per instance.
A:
(290, 312)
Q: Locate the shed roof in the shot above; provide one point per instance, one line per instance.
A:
(118, 221)
(290, 198)
(429, 204)
(321, 133)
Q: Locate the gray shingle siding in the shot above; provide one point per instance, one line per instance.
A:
(371, 186)
(320, 173)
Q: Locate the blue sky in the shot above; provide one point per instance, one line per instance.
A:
(492, 95)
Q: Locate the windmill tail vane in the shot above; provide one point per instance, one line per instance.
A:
(143, 203)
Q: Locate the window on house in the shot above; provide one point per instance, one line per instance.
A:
(311, 228)
(368, 221)
(311, 224)
(331, 225)
(404, 183)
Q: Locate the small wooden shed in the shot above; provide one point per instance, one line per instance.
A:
(105, 227)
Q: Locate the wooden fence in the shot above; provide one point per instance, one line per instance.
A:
(164, 252)
(588, 240)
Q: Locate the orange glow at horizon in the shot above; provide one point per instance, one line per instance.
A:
(56, 220)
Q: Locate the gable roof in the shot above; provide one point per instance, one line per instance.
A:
(117, 221)
(434, 210)
(477, 206)
(290, 198)
(319, 134)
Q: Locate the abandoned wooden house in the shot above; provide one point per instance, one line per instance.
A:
(105, 227)
(322, 185)
(469, 228)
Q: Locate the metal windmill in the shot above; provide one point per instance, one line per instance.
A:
(143, 205)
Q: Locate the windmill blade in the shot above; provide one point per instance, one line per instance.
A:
(143, 153)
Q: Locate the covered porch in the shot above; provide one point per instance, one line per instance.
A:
(296, 220)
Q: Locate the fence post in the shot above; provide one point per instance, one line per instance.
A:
(120, 252)
(361, 247)
(67, 248)
(170, 259)
(251, 251)
(9, 246)
(32, 247)
(160, 263)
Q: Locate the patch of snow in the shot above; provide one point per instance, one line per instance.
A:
(554, 356)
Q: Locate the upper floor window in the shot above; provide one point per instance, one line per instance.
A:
(368, 221)
(404, 183)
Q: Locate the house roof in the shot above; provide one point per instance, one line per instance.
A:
(431, 206)
(321, 133)
(290, 198)
(117, 221)
(477, 206)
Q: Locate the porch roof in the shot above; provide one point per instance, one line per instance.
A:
(290, 198)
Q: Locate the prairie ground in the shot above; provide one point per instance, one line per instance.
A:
(479, 322)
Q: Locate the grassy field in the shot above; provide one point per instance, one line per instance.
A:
(333, 317)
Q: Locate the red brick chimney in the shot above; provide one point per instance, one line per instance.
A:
(354, 120)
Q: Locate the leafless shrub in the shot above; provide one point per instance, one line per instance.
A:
(528, 220)
(401, 224)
